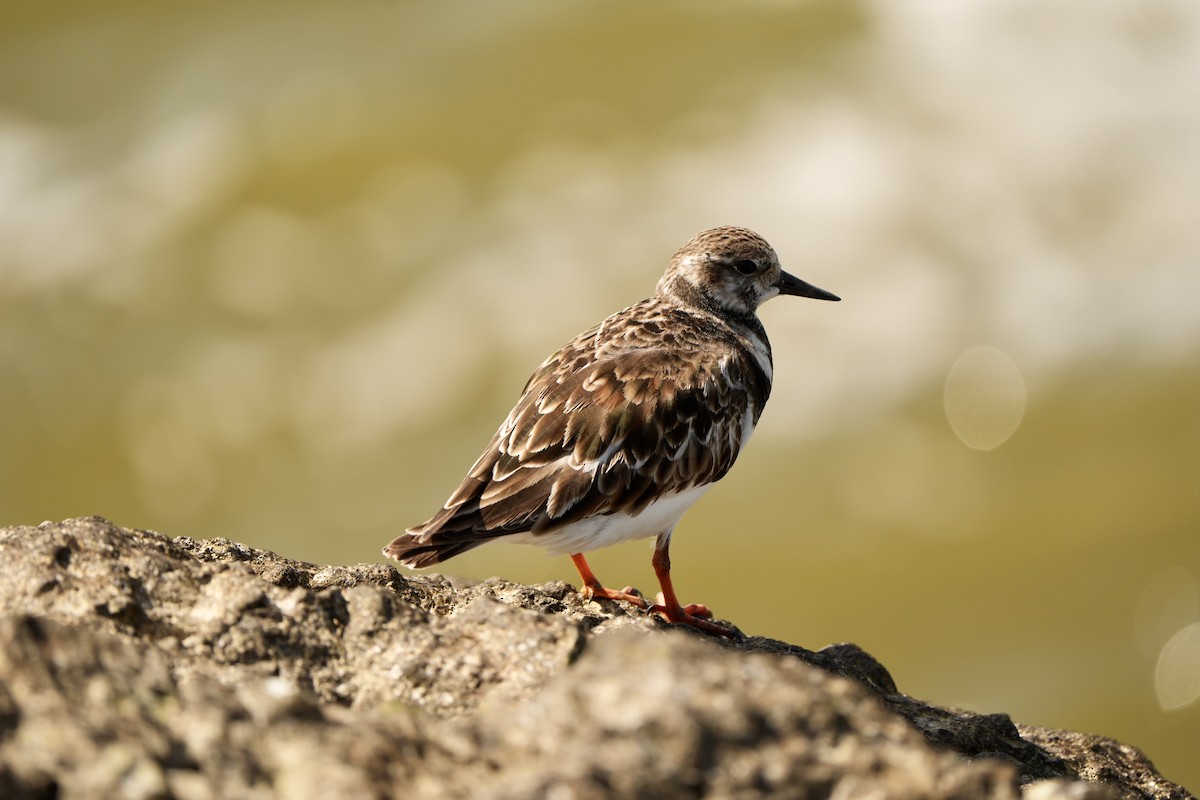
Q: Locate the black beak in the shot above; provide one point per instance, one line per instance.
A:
(790, 284)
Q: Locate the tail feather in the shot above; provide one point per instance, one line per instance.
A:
(451, 531)
(471, 517)
(410, 551)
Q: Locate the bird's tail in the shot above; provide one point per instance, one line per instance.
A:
(456, 528)
(411, 551)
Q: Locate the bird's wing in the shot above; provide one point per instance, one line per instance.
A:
(593, 436)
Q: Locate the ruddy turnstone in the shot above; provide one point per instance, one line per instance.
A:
(620, 431)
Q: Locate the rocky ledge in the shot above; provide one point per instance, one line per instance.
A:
(136, 665)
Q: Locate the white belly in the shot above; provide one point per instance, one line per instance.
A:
(596, 532)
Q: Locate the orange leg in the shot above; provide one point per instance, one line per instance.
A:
(668, 605)
(593, 589)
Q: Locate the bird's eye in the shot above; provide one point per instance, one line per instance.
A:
(746, 266)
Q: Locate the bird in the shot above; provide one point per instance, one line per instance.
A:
(620, 431)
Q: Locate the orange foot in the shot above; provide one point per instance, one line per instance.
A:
(593, 589)
(601, 592)
(694, 616)
(694, 609)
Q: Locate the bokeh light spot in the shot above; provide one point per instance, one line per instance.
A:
(985, 397)
(1177, 674)
(1168, 602)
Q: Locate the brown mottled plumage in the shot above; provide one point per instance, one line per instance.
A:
(617, 433)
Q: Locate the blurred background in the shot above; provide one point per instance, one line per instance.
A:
(276, 272)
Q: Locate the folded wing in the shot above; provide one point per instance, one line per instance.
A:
(593, 437)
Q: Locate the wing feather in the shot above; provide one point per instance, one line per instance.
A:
(605, 430)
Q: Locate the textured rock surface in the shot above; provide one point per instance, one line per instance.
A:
(134, 665)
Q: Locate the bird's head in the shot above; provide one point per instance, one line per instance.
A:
(730, 270)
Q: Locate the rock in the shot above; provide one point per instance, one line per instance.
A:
(134, 665)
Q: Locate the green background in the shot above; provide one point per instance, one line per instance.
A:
(276, 271)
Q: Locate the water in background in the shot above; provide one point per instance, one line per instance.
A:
(276, 272)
